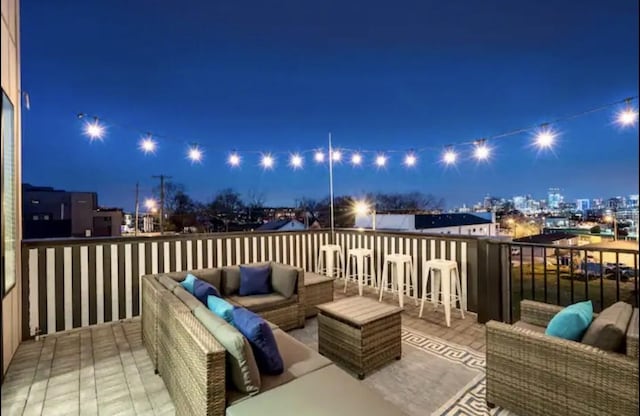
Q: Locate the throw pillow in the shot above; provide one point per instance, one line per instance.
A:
(254, 280)
(188, 282)
(202, 290)
(284, 279)
(220, 307)
(571, 322)
(609, 330)
(261, 338)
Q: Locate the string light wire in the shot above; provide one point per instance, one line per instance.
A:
(544, 137)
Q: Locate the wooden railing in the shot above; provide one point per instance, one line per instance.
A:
(72, 283)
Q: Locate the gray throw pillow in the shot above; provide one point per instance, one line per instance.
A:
(212, 276)
(230, 280)
(241, 363)
(284, 279)
(608, 331)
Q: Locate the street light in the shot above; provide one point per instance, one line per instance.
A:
(612, 219)
(363, 208)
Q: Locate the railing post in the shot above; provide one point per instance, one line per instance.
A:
(492, 304)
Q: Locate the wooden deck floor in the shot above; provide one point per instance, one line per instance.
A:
(105, 369)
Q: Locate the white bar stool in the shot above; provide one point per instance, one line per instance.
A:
(449, 277)
(399, 262)
(330, 252)
(361, 274)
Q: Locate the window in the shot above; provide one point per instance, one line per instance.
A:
(9, 217)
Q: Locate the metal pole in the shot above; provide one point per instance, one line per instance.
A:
(135, 224)
(331, 190)
(373, 220)
(162, 178)
(161, 204)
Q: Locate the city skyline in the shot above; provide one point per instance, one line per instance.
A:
(388, 79)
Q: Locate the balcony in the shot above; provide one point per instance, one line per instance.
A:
(83, 354)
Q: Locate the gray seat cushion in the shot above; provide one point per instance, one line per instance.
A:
(242, 368)
(187, 298)
(608, 331)
(298, 360)
(530, 327)
(168, 282)
(328, 391)
(311, 279)
(261, 303)
(284, 279)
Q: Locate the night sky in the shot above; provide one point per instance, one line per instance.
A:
(278, 76)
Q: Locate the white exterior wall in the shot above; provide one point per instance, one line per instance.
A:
(408, 223)
(10, 73)
(387, 222)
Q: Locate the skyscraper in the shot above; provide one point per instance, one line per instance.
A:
(554, 198)
(583, 205)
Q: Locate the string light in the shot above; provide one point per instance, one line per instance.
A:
(267, 161)
(147, 145)
(481, 151)
(234, 159)
(195, 154)
(449, 156)
(545, 137)
(296, 161)
(410, 160)
(627, 117)
(94, 130)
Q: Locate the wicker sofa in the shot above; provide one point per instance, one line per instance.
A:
(531, 373)
(195, 365)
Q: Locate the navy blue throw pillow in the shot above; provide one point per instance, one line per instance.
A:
(254, 280)
(260, 337)
(202, 290)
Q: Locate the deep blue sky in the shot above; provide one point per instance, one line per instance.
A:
(279, 75)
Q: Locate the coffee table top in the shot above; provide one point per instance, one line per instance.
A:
(358, 310)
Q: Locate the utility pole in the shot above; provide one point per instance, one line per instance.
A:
(162, 178)
(135, 224)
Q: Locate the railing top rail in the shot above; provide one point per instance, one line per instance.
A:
(566, 247)
(74, 241)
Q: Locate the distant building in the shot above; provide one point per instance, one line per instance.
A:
(554, 198)
(556, 222)
(477, 224)
(583, 205)
(54, 213)
(282, 225)
(558, 239)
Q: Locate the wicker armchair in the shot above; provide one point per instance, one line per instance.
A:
(531, 373)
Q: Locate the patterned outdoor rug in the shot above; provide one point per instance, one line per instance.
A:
(434, 377)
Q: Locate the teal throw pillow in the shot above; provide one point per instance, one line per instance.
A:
(571, 322)
(220, 307)
(189, 282)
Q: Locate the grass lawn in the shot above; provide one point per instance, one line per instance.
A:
(602, 292)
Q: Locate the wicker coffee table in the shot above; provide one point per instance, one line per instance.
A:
(359, 333)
